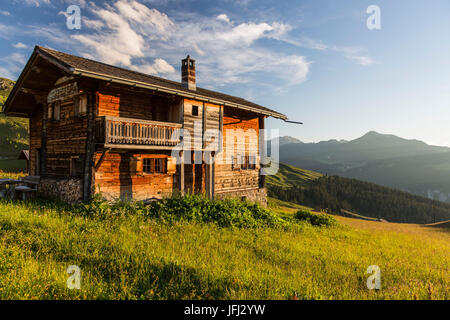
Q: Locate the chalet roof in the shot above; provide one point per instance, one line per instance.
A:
(89, 68)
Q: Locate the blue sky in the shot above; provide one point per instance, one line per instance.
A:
(315, 61)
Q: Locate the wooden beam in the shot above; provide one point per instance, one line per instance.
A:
(213, 174)
(90, 145)
(100, 161)
(182, 172)
(209, 158)
(43, 153)
(262, 153)
(137, 147)
(220, 147)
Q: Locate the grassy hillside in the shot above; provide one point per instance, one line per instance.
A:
(425, 175)
(13, 134)
(289, 176)
(337, 193)
(6, 86)
(138, 258)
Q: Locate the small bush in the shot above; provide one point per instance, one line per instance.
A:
(316, 219)
(224, 213)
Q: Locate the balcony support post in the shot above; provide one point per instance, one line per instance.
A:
(182, 172)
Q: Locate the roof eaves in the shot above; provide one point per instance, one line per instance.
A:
(54, 60)
(38, 51)
(91, 74)
(19, 82)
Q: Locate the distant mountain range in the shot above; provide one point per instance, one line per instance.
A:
(408, 165)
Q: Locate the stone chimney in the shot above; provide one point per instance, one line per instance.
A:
(188, 73)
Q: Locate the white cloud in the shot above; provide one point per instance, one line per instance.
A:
(5, 13)
(125, 26)
(52, 33)
(20, 45)
(363, 60)
(352, 53)
(37, 3)
(245, 33)
(11, 65)
(80, 3)
(7, 31)
(160, 66)
(355, 54)
(128, 33)
(18, 58)
(92, 24)
(223, 17)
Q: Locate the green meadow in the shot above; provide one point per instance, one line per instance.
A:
(125, 255)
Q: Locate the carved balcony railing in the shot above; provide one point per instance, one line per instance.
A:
(136, 133)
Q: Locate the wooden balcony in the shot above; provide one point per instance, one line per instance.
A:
(126, 133)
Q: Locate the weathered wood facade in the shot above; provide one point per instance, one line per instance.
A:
(99, 128)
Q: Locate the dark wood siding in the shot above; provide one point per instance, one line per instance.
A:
(240, 137)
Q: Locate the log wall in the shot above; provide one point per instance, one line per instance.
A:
(240, 137)
(193, 124)
(137, 105)
(66, 139)
(121, 176)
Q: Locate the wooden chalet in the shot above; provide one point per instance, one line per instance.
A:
(99, 128)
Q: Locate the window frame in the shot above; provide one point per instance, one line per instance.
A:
(252, 166)
(160, 168)
(73, 166)
(80, 105)
(246, 163)
(56, 111)
(235, 165)
(150, 165)
(196, 113)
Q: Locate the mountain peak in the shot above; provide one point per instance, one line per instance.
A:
(288, 140)
(372, 133)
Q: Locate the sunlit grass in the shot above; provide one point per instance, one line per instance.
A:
(11, 175)
(137, 258)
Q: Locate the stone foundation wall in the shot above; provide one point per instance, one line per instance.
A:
(68, 190)
(253, 195)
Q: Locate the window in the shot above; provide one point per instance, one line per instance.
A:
(76, 166)
(159, 165)
(154, 165)
(50, 112)
(80, 105)
(148, 165)
(244, 162)
(252, 163)
(237, 162)
(248, 162)
(54, 111)
(194, 110)
(234, 163)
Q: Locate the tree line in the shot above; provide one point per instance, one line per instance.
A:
(334, 193)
